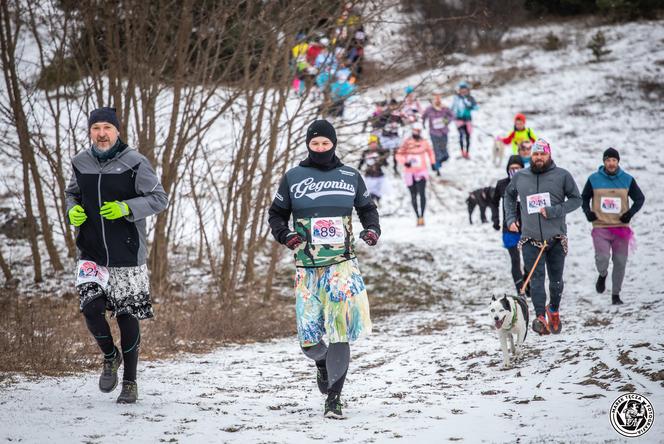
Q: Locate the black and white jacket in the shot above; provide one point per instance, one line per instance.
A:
(127, 177)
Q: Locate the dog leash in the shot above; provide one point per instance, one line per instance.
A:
(525, 283)
(486, 133)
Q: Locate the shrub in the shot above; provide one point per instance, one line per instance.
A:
(597, 45)
(552, 42)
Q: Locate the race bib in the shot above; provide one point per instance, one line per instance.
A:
(439, 123)
(610, 205)
(89, 271)
(537, 201)
(327, 230)
(415, 161)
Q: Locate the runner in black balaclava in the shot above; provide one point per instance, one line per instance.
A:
(326, 160)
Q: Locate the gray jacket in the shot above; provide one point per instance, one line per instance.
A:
(127, 177)
(554, 189)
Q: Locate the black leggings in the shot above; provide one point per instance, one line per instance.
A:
(464, 137)
(515, 259)
(95, 318)
(334, 359)
(418, 187)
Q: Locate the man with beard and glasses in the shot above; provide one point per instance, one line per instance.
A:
(610, 215)
(111, 193)
(330, 295)
(546, 193)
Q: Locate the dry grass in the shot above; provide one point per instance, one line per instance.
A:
(48, 336)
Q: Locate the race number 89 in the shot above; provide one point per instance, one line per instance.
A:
(328, 232)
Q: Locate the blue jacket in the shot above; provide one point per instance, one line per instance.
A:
(341, 91)
(609, 193)
(463, 106)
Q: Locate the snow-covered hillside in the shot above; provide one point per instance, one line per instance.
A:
(433, 375)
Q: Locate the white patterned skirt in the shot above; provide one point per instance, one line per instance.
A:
(127, 292)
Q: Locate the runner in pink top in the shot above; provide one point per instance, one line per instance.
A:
(416, 155)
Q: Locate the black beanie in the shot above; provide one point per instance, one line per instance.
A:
(514, 159)
(104, 114)
(322, 128)
(611, 153)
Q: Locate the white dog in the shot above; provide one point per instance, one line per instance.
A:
(510, 317)
(498, 152)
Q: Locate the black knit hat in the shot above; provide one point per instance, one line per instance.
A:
(321, 128)
(514, 160)
(103, 114)
(611, 153)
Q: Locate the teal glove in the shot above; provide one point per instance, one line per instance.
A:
(77, 216)
(114, 210)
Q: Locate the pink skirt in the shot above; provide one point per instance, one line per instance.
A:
(411, 178)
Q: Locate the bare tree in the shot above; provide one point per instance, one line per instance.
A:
(9, 32)
(202, 88)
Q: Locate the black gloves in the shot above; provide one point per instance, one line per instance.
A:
(625, 218)
(293, 240)
(369, 236)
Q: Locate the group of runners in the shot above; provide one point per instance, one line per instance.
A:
(113, 189)
(397, 134)
(329, 65)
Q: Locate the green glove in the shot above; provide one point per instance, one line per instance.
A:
(77, 216)
(114, 210)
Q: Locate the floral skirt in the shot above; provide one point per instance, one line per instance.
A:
(331, 301)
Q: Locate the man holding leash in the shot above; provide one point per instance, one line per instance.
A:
(546, 193)
(610, 215)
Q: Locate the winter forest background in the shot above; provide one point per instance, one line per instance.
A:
(204, 89)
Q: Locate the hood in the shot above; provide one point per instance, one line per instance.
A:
(322, 164)
(514, 159)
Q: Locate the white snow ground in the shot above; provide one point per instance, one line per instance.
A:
(433, 375)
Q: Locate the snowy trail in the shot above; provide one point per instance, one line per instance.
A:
(433, 375)
(422, 377)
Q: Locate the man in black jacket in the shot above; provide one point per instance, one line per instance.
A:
(331, 298)
(510, 239)
(112, 190)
